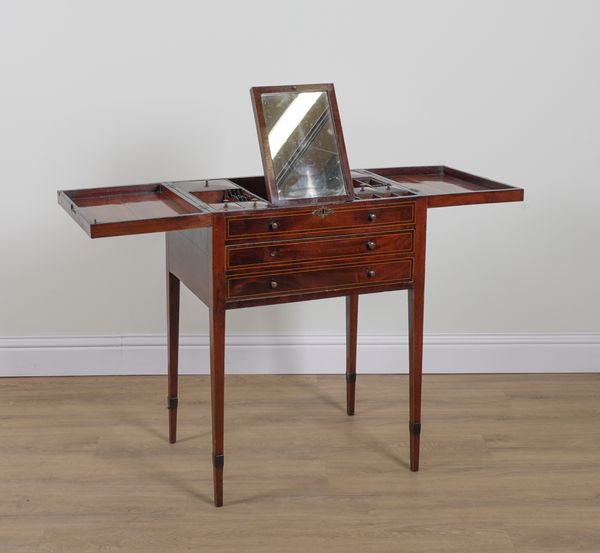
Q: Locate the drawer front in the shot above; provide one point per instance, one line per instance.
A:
(291, 282)
(278, 253)
(321, 220)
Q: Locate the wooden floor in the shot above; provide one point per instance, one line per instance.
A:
(509, 463)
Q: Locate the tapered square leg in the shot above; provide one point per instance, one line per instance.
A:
(416, 304)
(217, 385)
(415, 345)
(173, 293)
(351, 336)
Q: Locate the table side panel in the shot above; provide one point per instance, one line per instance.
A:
(189, 258)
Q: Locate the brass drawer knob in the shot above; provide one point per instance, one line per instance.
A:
(273, 225)
(274, 252)
(370, 245)
(274, 284)
(370, 273)
(372, 217)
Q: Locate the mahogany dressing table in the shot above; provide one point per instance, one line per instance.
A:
(309, 229)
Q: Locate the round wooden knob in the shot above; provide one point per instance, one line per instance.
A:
(274, 225)
(274, 284)
(273, 252)
(370, 273)
(372, 217)
(370, 245)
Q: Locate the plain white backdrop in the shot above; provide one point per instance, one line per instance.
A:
(126, 92)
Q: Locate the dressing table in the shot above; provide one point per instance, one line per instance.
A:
(310, 228)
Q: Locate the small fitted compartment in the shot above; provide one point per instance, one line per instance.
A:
(366, 188)
(255, 185)
(223, 195)
(220, 194)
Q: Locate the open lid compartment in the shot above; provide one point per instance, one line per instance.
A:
(444, 186)
(138, 209)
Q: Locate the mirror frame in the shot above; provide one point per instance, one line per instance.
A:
(263, 139)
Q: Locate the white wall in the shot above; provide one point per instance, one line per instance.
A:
(122, 92)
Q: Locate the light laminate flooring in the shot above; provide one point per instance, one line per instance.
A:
(509, 463)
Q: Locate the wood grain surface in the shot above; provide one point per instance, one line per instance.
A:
(510, 463)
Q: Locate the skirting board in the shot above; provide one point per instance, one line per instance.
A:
(300, 354)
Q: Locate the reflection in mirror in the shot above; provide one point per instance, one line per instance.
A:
(302, 144)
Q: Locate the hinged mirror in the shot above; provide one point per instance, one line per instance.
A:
(302, 145)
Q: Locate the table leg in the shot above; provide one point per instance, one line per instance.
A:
(416, 298)
(173, 287)
(217, 385)
(351, 334)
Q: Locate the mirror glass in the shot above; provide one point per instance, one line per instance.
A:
(302, 145)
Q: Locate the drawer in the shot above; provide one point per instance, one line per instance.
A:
(320, 280)
(357, 219)
(279, 253)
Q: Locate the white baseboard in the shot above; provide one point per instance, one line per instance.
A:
(301, 354)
